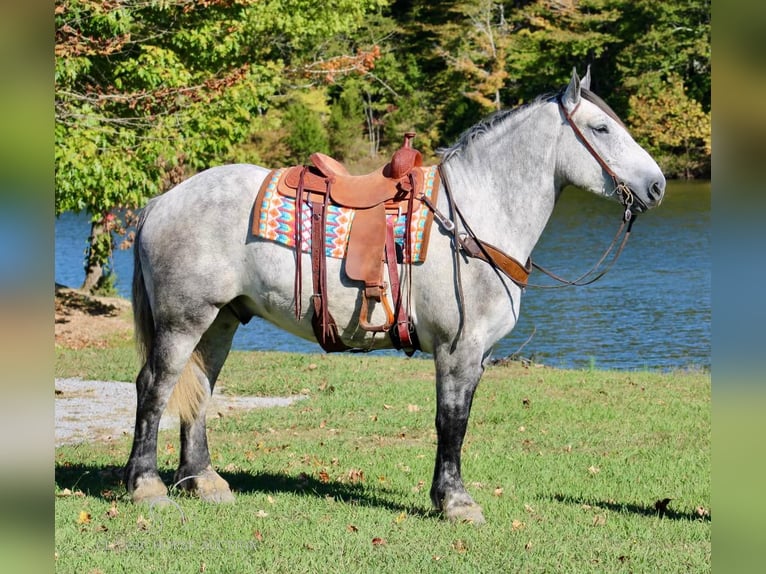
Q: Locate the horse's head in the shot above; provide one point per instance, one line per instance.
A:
(600, 155)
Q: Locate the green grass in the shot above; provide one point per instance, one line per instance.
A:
(568, 466)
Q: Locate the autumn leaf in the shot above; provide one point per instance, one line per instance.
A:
(261, 514)
(401, 517)
(594, 469)
(257, 535)
(702, 512)
(460, 546)
(378, 541)
(324, 477)
(498, 491)
(413, 408)
(352, 528)
(355, 475)
(112, 512)
(83, 517)
(517, 525)
(142, 523)
(599, 520)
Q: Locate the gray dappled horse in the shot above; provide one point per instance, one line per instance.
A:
(199, 272)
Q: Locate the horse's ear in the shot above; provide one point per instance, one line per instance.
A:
(572, 94)
(585, 81)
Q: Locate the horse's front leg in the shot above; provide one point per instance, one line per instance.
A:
(457, 376)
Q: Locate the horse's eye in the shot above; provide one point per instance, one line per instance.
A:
(601, 129)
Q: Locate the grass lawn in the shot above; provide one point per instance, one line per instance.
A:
(569, 467)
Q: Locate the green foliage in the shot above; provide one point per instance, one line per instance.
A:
(305, 132)
(674, 127)
(148, 93)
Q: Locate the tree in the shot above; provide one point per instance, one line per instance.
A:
(675, 128)
(149, 92)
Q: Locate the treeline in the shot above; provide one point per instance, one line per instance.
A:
(150, 91)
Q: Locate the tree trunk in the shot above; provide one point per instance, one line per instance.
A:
(94, 269)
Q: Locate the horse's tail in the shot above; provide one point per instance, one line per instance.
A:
(188, 394)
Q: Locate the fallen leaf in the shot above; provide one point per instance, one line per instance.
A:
(517, 525)
(599, 520)
(257, 535)
(378, 541)
(142, 523)
(387, 407)
(169, 448)
(261, 514)
(324, 477)
(322, 424)
(355, 475)
(419, 486)
(312, 366)
(112, 512)
(83, 517)
(529, 509)
(528, 546)
(413, 408)
(352, 528)
(525, 402)
(401, 517)
(374, 418)
(460, 546)
(436, 558)
(568, 448)
(522, 428)
(498, 491)
(270, 499)
(594, 469)
(202, 566)
(702, 512)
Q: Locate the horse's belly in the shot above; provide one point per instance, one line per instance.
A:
(270, 288)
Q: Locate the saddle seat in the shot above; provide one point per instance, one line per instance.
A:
(387, 184)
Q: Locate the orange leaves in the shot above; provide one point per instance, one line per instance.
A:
(361, 63)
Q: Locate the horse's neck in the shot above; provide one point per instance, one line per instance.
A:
(506, 188)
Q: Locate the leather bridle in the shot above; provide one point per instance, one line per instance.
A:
(470, 245)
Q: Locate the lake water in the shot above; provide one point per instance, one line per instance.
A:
(652, 310)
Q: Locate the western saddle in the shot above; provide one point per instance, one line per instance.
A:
(395, 187)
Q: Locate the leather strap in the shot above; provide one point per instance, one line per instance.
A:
(325, 328)
(475, 247)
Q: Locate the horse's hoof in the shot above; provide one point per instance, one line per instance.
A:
(208, 486)
(150, 491)
(471, 513)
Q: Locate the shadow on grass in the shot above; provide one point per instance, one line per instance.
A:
(625, 507)
(106, 482)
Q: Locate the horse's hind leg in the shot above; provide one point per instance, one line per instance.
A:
(457, 376)
(195, 472)
(166, 360)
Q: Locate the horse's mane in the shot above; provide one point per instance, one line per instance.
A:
(490, 122)
(485, 126)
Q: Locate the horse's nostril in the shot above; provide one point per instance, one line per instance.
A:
(656, 190)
